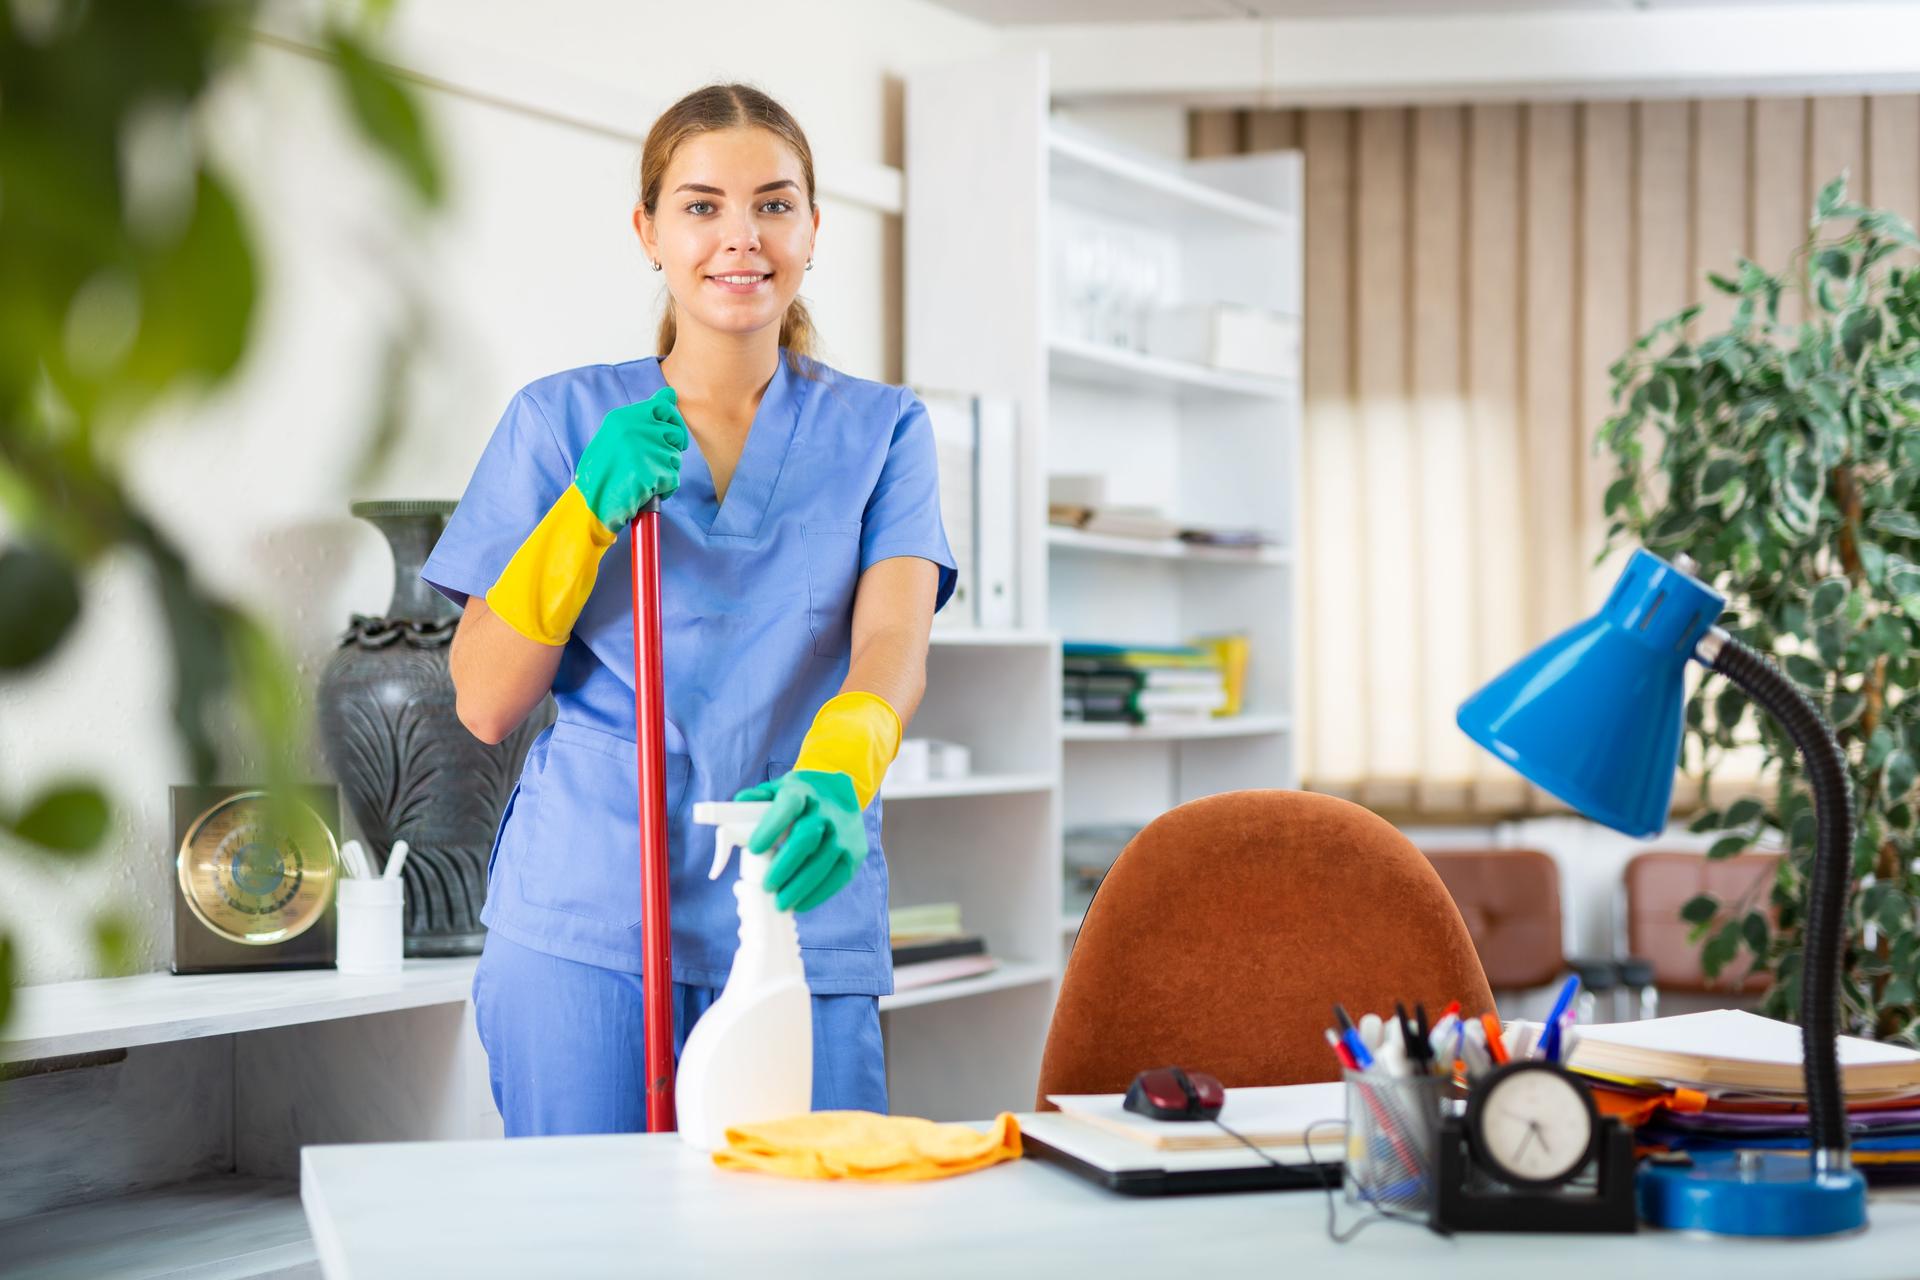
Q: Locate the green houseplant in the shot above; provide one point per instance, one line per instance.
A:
(131, 280)
(1785, 459)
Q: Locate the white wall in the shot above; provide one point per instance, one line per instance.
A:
(531, 268)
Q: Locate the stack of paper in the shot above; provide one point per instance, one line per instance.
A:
(1277, 1116)
(1732, 1051)
(1748, 1067)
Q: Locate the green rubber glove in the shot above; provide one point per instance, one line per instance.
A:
(632, 459)
(826, 836)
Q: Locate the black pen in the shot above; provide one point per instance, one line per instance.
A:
(1406, 1034)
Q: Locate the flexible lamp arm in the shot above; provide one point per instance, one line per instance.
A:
(1826, 766)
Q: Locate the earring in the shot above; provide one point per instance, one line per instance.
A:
(809, 264)
(656, 265)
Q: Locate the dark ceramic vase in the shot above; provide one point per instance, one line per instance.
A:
(410, 770)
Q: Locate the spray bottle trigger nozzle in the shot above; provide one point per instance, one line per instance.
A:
(736, 820)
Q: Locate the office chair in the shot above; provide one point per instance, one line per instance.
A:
(1657, 885)
(1228, 928)
(1510, 900)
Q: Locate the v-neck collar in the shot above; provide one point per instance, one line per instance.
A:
(750, 491)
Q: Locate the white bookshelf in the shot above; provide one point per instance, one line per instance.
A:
(990, 179)
(1245, 726)
(1070, 540)
(1006, 977)
(983, 784)
(1080, 360)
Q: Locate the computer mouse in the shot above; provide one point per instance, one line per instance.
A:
(1169, 1093)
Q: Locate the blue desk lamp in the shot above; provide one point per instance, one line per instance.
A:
(1594, 716)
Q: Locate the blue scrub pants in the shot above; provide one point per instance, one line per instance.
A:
(566, 1043)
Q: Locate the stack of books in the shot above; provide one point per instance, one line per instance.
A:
(1729, 1079)
(930, 945)
(1160, 686)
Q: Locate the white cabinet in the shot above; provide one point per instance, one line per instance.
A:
(1004, 297)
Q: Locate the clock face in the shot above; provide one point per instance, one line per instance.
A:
(1532, 1124)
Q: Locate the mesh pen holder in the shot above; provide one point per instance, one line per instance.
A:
(1393, 1137)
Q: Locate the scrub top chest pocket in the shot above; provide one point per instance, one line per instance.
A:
(833, 565)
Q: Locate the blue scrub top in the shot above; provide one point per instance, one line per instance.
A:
(756, 627)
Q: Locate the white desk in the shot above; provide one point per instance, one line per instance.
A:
(649, 1205)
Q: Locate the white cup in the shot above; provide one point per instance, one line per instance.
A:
(368, 933)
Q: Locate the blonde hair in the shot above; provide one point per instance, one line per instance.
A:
(728, 106)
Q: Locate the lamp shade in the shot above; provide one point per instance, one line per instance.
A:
(1594, 715)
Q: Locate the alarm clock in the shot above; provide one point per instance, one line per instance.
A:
(1533, 1153)
(1532, 1125)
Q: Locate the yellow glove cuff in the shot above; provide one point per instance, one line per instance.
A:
(545, 586)
(856, 733)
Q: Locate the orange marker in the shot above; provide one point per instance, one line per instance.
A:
(1495, 1045)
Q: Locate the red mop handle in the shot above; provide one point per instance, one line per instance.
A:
(649, 718)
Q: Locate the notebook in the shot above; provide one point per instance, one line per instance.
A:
(1730, 1050)
(1274, 1116)
(1100, 1155)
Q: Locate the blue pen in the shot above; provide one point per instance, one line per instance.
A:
(1550, 1037)
(1358, 1048)
(1350, 1037)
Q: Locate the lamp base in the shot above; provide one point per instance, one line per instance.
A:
(1752, 1193)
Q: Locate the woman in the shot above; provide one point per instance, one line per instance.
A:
(802, 560)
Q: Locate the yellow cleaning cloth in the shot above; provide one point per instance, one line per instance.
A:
(867, 1146)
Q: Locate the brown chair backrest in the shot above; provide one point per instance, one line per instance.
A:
(1659, 884)
(1228, 928)
(1510, 899)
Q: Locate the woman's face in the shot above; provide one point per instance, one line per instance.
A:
(732, 228)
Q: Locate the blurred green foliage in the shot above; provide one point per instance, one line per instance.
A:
(1785, 459)
(131, 275)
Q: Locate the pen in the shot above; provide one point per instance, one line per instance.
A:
(1550, 1038)
(1350, 1035)
(1496, 1046)
(1405, 1026)
(1473, 1048)
(354, 858)
(1439, 1040)
(1361, 1057)
(1340, 1051)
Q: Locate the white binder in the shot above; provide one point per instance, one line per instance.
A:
(996, 513)
(954, 432)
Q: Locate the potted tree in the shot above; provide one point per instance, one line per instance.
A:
(1785, 459)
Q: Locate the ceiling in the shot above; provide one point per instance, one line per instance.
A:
(1011, 12)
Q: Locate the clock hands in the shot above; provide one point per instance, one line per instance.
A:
(1533, 1131)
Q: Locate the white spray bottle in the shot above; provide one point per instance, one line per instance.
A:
(750, 1057)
